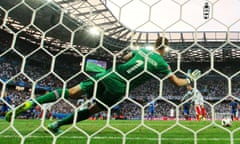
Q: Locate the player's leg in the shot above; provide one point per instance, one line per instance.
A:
(88, 87)
(103, 94)
(185, 109)
(186, 113)
(198, 102)
(81, 115)
(203, 111)
(233, 116)
(73, 92)
(151, 114)
(198, 111)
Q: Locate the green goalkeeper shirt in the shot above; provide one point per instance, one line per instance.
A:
(155, 64)
(134, 70)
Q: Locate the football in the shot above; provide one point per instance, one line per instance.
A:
(226, 122)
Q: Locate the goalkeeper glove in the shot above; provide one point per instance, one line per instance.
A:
(193, 75)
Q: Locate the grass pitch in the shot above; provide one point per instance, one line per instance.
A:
(170, 133)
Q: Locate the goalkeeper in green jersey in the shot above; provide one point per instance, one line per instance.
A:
(111, 87)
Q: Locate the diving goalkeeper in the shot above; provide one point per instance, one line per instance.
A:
(111, 88)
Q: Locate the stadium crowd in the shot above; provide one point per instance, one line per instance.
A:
(213, 86)
(127, 109)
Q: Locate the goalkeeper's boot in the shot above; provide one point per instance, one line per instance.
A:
(26, 106)
(54, 128)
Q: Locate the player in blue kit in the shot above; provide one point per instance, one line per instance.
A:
(186, 110)
(233, 106)
(151, 109)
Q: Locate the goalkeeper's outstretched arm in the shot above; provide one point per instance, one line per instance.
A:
(183, 82)
(179, 81)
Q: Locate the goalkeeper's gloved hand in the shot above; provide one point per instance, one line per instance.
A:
(193, 75)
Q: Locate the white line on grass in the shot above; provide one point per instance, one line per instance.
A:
(130, 138)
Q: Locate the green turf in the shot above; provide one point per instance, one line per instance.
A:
(136, 133)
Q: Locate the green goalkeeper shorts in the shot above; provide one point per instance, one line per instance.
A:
(110, 89)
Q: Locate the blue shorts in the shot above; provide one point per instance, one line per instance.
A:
(151, 112)
(186, 111)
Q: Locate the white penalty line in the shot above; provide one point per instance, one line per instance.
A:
(129, 138)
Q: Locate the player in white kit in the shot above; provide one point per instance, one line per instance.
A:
(197, 98)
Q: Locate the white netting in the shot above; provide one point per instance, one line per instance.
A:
(45, 45)
(220, 116)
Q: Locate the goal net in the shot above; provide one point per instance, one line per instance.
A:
(220, 116)
(51, 44)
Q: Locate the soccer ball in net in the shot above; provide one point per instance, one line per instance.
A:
(226, 122)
